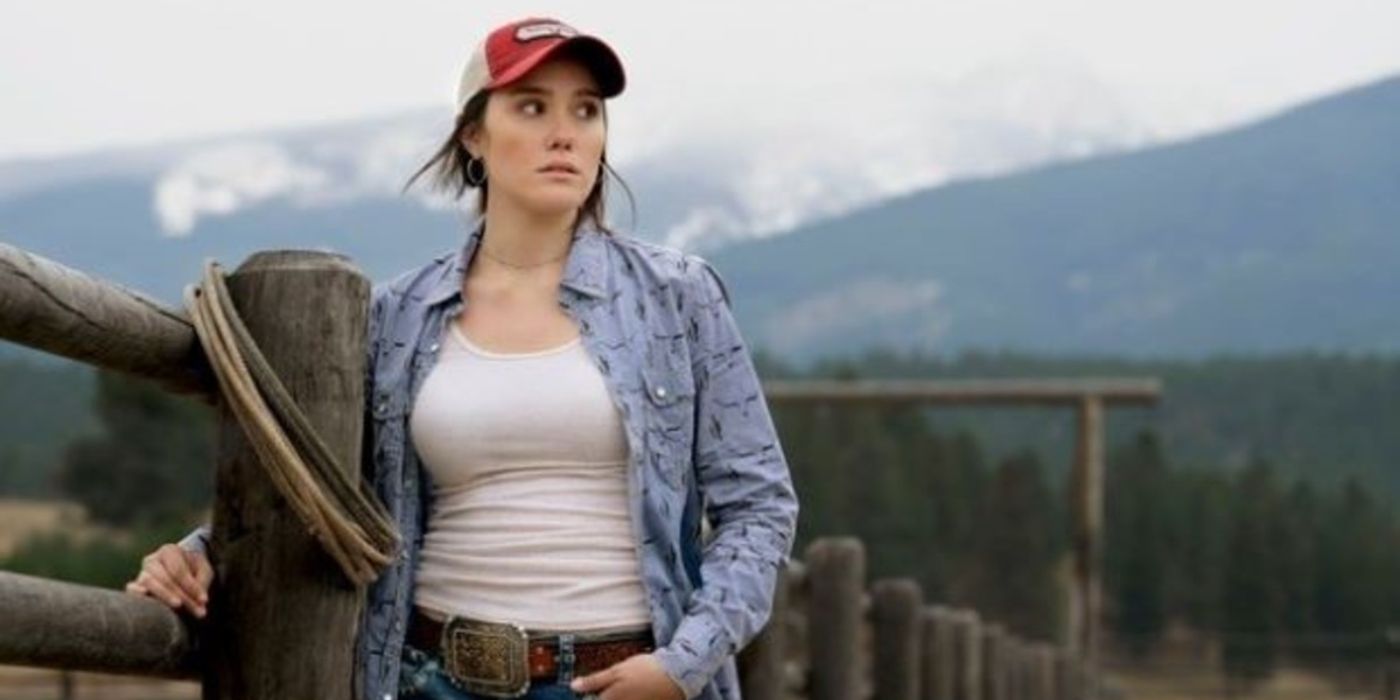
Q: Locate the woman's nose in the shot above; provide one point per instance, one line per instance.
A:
(562, 133)
(557, 140)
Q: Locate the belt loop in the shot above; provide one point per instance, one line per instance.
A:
(566, 657)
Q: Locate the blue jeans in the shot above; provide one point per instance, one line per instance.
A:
(422, 678)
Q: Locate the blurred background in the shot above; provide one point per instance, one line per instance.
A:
(1200, 192)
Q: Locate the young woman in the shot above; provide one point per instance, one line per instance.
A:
(554, 409)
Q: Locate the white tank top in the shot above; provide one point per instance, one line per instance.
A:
(529, 521)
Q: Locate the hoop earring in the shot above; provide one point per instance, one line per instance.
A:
(478, 180)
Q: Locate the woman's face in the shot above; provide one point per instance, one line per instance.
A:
(553, 115)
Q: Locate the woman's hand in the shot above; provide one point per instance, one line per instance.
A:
(175, 576)
(637, 677)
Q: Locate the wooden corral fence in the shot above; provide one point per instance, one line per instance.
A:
(282, 616)
(1089, 397)
(832, 638)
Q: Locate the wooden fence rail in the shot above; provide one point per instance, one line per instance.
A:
(62, 625)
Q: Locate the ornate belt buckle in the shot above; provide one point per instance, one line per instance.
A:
(490, 658)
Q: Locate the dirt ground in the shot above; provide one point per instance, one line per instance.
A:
(43, 684)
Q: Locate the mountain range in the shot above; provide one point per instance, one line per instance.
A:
(1072, 236)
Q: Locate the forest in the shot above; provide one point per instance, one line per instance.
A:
(1261, 555)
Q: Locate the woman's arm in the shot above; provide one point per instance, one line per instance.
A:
(746, 486)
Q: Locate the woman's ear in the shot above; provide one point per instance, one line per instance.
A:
(470, 138)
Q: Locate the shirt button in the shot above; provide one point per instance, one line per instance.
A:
(661, 392)
(433, 348)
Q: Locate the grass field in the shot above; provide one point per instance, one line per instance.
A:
(21, 518)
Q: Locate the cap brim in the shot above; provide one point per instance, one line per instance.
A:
(597, 55)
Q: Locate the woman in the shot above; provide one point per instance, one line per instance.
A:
(548, 422)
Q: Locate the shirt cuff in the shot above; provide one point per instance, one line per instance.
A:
(196, 541)
(689, 661)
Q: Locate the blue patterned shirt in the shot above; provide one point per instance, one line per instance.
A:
(657, 323)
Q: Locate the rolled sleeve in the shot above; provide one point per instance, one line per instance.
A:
(196, 541)
(746, 486)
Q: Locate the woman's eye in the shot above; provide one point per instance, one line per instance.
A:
(587, 110)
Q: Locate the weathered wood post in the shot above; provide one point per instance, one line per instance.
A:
(835, 612)
(762, 664)
(1014, 663)
(1043, 675)
(1065, 686)
(282, 623)
(798, 657)
(938, 672)
(1086, 504)
(967, 645)
(994, 676)
(897, 624)
(1392, 663)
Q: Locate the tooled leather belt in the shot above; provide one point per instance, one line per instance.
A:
(592, 651)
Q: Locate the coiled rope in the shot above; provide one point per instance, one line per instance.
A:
(350, 523)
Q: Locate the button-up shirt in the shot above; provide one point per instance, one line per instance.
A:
(658, 324)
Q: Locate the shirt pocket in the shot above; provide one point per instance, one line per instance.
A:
(670, 404)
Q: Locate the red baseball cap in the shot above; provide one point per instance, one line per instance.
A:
(511, 50)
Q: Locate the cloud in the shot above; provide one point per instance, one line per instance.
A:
(224, 178)
(314, 167)
(838, 148)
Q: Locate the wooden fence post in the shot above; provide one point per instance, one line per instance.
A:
(1014, 663)
(1064, 675)
(1044, 675)
(282, 623)
(835, 612)
(967, 645)
(797, 661)
(1392, 663)
(1086, 504)
(939, 674)
(895, 608)
(994, 663)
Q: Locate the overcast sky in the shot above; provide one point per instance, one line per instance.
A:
(79, 74)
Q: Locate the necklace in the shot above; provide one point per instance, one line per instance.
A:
(522, 267)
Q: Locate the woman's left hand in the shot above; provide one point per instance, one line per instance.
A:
(637, 677)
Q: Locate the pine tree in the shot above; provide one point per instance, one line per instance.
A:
(1136, 541)
(151, 464)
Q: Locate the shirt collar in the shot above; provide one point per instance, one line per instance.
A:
(584, 272)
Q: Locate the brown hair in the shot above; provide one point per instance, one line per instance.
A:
(449, 166)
